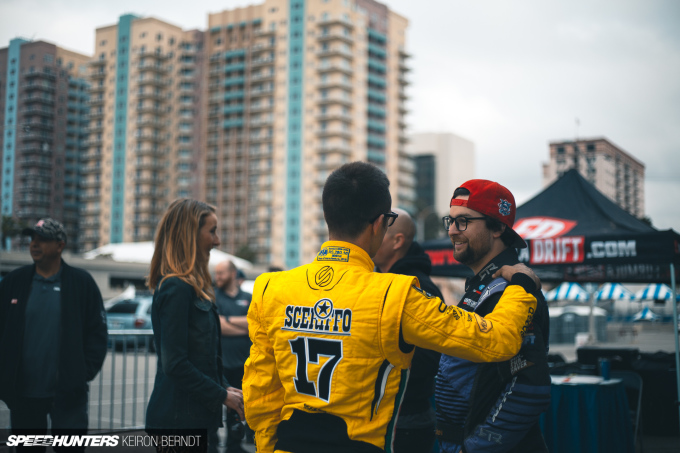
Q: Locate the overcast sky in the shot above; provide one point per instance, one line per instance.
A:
(509, 75)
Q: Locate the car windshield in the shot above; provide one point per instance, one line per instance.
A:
(126, 307)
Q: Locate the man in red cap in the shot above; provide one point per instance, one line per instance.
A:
(491, 407)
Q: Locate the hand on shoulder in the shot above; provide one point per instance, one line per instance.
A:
(508, 271)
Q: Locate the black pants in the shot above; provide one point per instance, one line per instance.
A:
(67, 412)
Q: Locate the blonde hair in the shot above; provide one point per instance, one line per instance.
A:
(175, 250)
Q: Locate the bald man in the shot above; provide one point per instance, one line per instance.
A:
(400, 254)
(232, 306)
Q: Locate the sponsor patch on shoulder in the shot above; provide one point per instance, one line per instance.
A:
(422, 291)
(484, 325)
(333, 254)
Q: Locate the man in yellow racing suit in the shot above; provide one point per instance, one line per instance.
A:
(333, 341)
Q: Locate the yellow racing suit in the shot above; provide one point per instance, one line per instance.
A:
(332, 345)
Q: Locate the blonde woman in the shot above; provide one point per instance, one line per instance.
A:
(189, 389)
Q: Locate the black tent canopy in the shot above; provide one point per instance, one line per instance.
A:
(575, 233)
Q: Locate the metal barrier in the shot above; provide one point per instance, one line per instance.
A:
(120, 393)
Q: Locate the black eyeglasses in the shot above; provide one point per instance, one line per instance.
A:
(389, 216)
(461, 222)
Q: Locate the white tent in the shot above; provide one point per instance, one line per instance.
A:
(142, 252)
(567, 291)
(646, 315)
(654, 291)
(613, 291)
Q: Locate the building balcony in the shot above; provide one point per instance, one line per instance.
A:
(90, 196)
(154, 96)
(256, 62)
(35, 110)
(150, 109)
(91, 183)
(91, 169)
(403, 81)
(336, 51)
(96, 75)
(40, 74)
(149, 179)
(335, 67)
(332, 36)
(262, 76)
(153, 81)
(263, 46)
(334, 132)
(153, 67)
(153, 54)
(261, 122)
(41, 188)
(45, 164)
(99, 63)
(153, 152)
(42, 86)
(261, 92)
(335, 148)
(335, 83)
(92, 154)
(36, 202)
(334, 116)
(263, 32)
(150, 165)
(94, 141)
(149, 122)
(260, 107)
(335, 19)
(335, 99)
(255, 138)
(154, 138)
(48, 101)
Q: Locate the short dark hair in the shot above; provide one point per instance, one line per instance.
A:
(354, 195)
(496, 225)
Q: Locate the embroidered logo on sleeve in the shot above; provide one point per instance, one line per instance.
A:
(484, 325)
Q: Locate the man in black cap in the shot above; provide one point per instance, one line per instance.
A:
(491, 407)
(53, 337)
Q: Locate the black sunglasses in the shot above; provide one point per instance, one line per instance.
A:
(391, 217)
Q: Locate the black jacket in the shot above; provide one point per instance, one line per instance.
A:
(420, 388)
(189, 388)
(83, 329)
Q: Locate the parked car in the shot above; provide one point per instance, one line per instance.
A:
(130, 314)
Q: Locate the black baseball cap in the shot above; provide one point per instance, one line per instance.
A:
(47, 229)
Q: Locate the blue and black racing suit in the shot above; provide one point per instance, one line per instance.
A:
(495, 407)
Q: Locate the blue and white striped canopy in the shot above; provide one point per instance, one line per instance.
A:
(567, 291)
(613, 291)
(654, 291)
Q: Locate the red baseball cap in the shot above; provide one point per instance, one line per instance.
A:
(492, 200)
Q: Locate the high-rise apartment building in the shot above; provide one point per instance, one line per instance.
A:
(614, 172)
(296, 88)
(443, 161)
(43, 114)
(144, 147)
